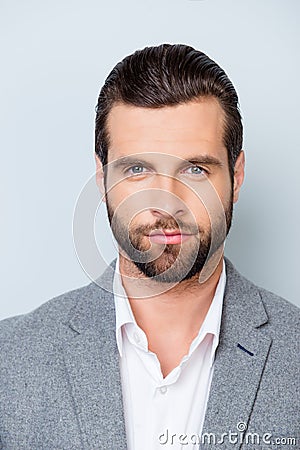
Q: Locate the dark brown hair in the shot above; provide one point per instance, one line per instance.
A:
(168, 75)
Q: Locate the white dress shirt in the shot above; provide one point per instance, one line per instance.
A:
(158, 408)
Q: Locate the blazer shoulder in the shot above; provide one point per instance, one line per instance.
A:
(47, 316)
(281, 312)
(283, 317)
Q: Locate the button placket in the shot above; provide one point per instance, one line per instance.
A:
(163, 389)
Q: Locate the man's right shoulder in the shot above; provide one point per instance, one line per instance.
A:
(47, 316)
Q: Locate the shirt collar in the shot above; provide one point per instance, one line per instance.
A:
(212, 321)
(211, 324)
(123, 309)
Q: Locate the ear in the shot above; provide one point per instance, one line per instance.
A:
(239, 174)
(100, 176)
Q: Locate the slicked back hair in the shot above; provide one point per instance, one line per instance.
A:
(168, 75)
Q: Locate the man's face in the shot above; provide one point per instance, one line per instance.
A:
(168, 190)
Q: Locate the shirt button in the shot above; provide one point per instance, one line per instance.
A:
(136, 337)
(163, 389)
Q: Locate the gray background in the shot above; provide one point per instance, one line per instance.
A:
(55, 56)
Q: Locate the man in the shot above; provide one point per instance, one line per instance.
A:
(171, 347)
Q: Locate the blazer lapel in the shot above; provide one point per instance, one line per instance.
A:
(239, 363)
(92, 362)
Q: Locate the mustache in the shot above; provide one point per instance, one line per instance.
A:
(168, 224)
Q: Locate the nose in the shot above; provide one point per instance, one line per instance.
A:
(166, 201)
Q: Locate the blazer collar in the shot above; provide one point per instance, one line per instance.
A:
(242, 303)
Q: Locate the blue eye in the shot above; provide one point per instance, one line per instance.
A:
(136, 169)
(196, 170)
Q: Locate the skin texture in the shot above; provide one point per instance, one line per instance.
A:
(158, 189)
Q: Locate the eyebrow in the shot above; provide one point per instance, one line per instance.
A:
(197, 160)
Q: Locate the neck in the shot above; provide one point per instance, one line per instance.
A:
(182, 307)
(171, 319)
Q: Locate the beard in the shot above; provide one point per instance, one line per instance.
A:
(175, 262)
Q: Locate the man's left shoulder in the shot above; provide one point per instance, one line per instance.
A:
(282, 316)
(283, 323)
(279, 309)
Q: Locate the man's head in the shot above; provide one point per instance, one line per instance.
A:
(168, 153)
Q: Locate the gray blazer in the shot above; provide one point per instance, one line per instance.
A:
(60, 384)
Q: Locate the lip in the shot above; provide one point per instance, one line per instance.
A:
(168, 237)
(168, 232)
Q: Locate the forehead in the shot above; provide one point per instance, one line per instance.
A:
(176, 130)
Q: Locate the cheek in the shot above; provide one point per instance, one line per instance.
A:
(118, 195)
(210, 200)
(197, 211)
(223, 188)
(127, 206)
(114, 197)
